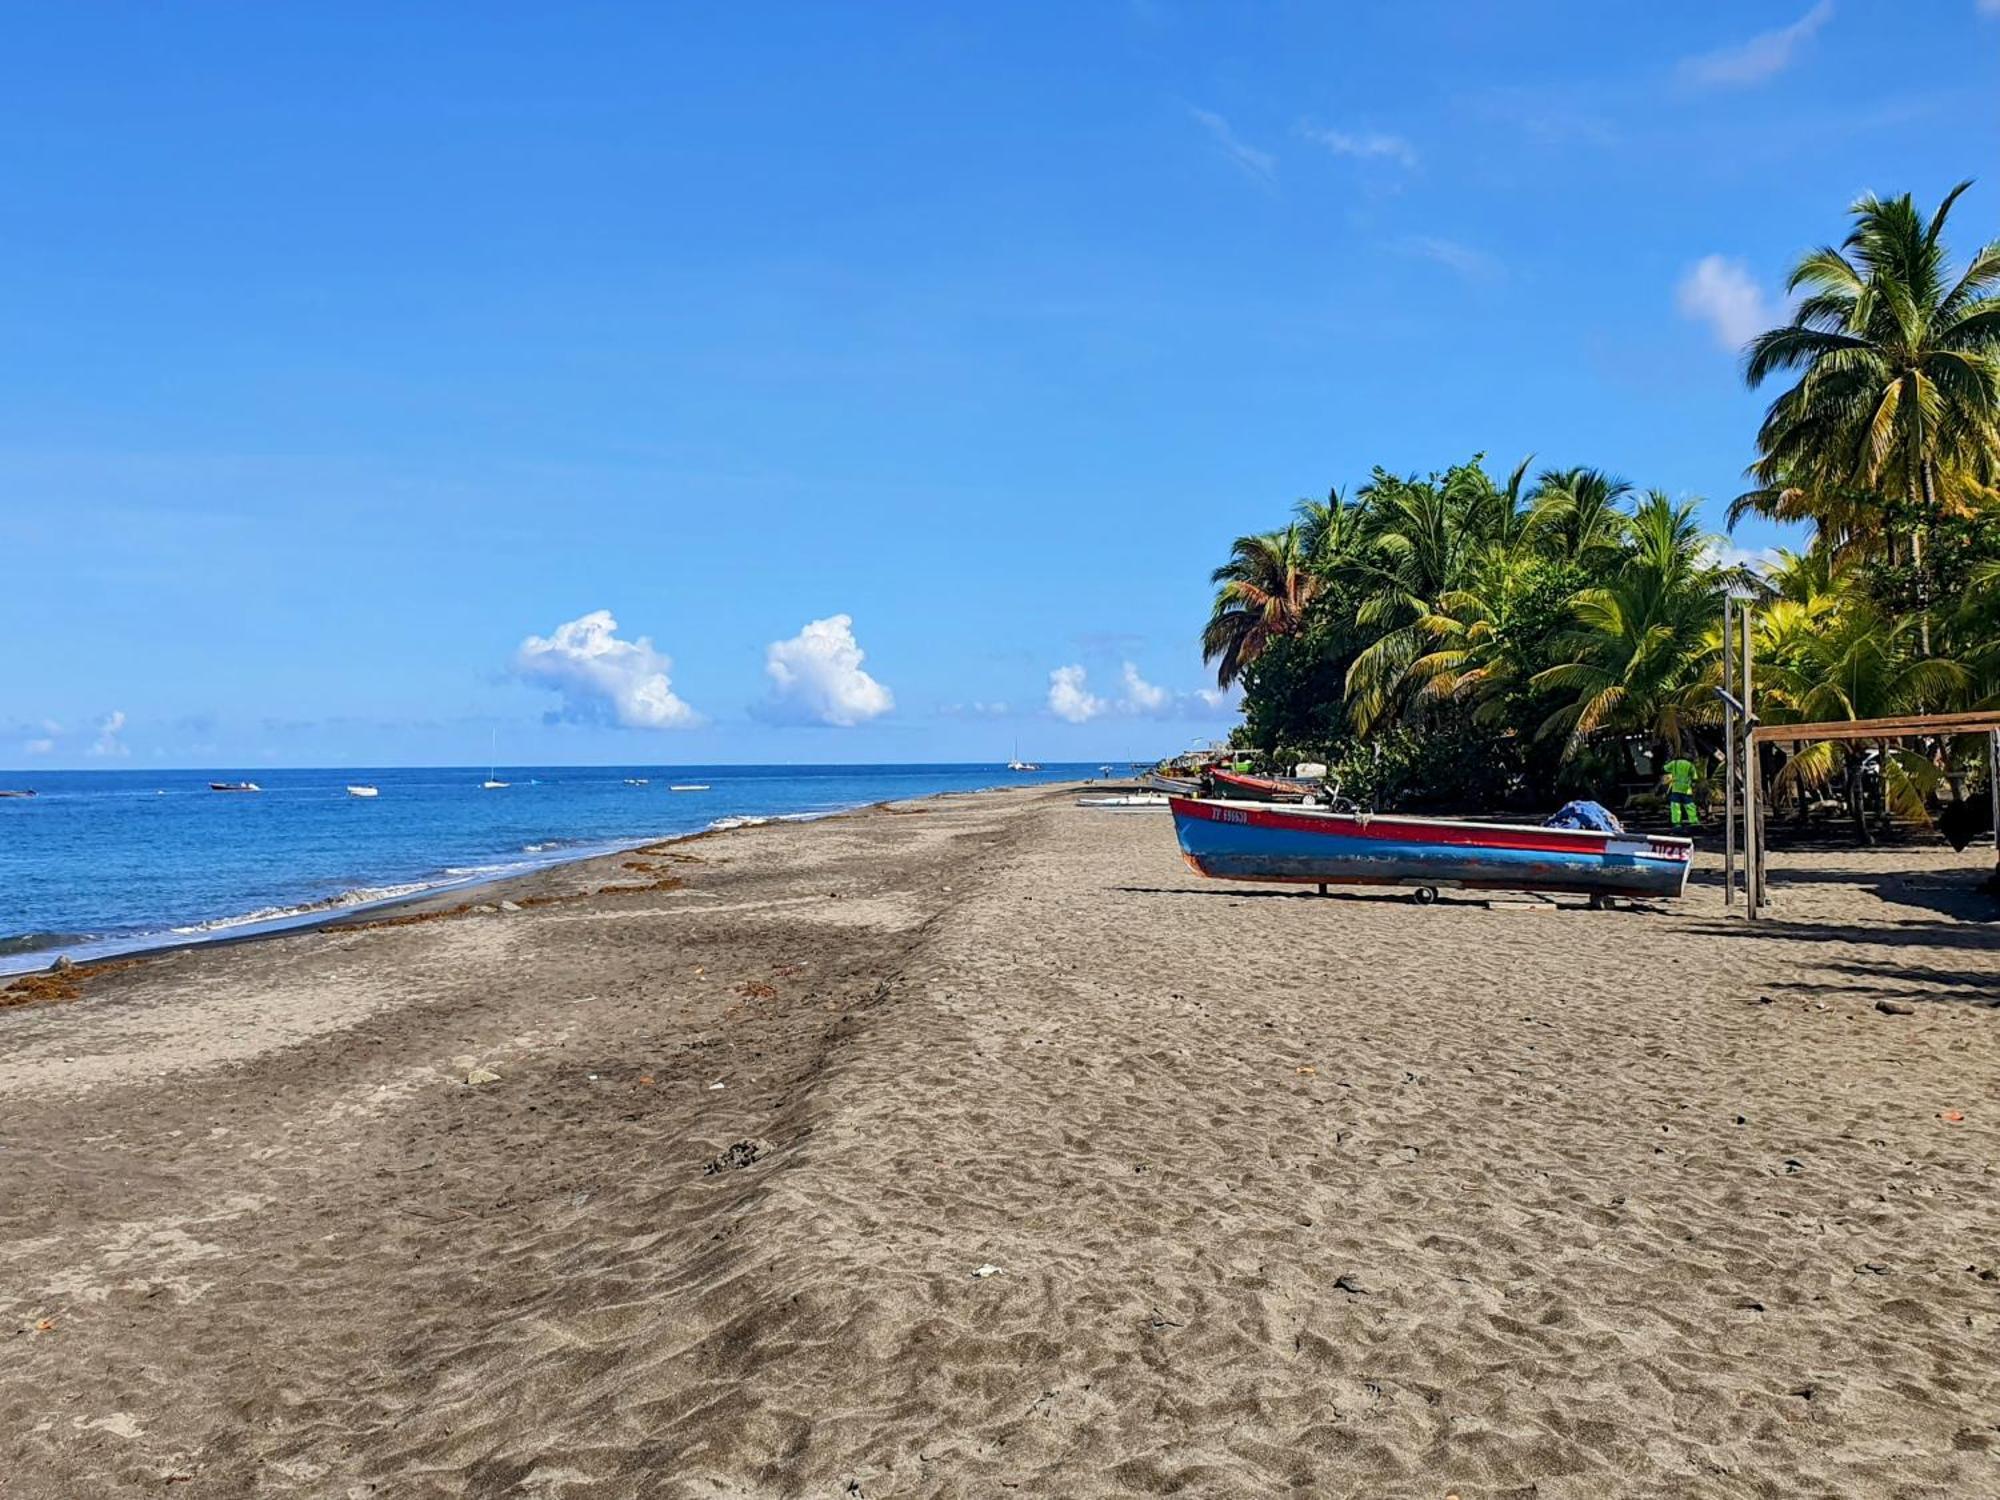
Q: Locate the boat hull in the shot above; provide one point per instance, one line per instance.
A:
(1232, 840)
(1245, 788)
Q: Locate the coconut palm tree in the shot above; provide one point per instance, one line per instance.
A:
(1852, 662)
(1643, 642)
(1264, 591)
(1898, 393)
(1577, 513)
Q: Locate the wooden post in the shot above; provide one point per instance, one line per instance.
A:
(1728, 759)
(1753, 842)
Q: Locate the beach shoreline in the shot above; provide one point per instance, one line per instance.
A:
(974, 1143)
(359, 904)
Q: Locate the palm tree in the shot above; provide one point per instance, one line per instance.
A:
(1899, 386)
(1265, 589)
(1644, 641)
(1424, 539)
(1852, 662)
(1577, 513)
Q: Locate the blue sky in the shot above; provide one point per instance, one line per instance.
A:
(888, 376)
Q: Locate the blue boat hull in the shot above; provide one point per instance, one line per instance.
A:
(1254, 841)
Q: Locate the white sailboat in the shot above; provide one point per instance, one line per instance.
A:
(492, 783)
(1017, 764)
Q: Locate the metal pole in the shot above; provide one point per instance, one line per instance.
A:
(1753, 843)
(1993, 792)
(1728, 760)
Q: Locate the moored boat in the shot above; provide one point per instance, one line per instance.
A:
(1237, 840)
(23, 792)
(688, 786)
(363, 791)
(234, 786)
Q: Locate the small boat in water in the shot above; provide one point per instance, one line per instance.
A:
(638, 781)
(688, 786)
(234, 786)
(1237, 840)
(363, 791)
(25, 792)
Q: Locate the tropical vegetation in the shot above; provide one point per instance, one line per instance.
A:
(1469, 638)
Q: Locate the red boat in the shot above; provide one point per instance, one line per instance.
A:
(1261, 788)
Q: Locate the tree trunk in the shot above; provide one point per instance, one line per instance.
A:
(1857, 808)
(1929, 511)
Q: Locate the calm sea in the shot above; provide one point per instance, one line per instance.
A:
(104, 862)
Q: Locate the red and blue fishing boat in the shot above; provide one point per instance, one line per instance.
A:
(1237, 840)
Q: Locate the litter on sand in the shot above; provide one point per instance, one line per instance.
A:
(985, 1271)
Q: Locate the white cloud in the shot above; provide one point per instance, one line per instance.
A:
(40, 747)
(1989, 7)
(109, 728)
(816, 678)
(602, 679)
(1724, 553)
(1258, 164)
(977, 709)
(1762, 56)
(1723, 294)
(1370, 145)
(1141, 697)
(1070, 699)
(1474, 265)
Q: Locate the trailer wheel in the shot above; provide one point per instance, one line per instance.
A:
(1424, 895)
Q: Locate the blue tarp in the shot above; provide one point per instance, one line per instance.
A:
(1592, 815)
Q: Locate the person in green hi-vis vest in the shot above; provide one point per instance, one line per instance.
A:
(1679, 774)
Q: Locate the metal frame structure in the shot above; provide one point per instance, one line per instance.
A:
(1943, 725)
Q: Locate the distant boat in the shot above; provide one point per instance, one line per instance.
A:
(363, 791)
(638, 781)
(1232, 840)
(1017, 764)
(688, 786)
(234, 786)
(29, 792)
(492, 783)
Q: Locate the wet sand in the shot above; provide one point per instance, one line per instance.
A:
(1281, 1195)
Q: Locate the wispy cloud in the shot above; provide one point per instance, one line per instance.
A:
(602, 679)
(1723, 294)
(39, 747)
(1473, 265)
(1762, 56)
(109, 728)
(1070, 698)
(1261, 165)
(816, 678)
(1989, 7)
(1368, 145)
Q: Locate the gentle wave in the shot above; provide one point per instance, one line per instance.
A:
(367, 895)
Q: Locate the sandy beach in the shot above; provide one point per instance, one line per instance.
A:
(975, 1146)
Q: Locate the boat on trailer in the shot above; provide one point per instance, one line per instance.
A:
(1229, 839)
